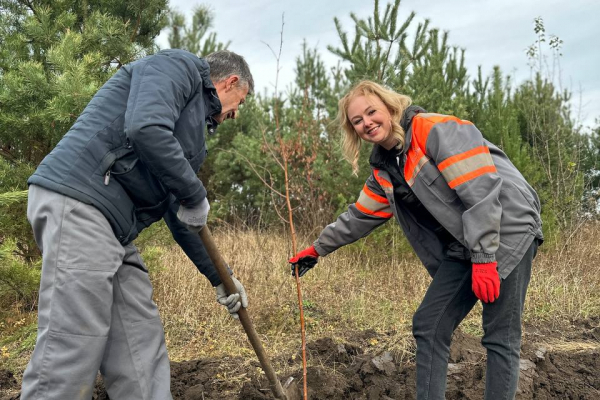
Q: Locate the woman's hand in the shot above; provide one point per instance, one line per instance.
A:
(306, 259)
(485, 282)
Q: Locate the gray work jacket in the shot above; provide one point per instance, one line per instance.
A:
(467, 184)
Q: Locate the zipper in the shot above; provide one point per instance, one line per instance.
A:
(112, 158)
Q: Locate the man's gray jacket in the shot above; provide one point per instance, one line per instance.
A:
(135, 150)
(465, 182)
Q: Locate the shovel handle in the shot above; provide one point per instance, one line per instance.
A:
(215, 256)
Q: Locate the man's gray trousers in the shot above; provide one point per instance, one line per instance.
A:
(95, 309)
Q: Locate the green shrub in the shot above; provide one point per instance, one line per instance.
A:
(19, 280)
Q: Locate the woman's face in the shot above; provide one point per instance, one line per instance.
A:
(371, 120)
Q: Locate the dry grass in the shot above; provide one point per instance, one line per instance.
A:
(351, 290)
(573, 347)
(348, 291)
(565, 281)
(355, 289)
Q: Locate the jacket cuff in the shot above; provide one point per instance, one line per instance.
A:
(321, 251)
(213, 276)
(193, 199)
(482, 258)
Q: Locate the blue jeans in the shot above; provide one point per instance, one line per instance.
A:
(447, 302)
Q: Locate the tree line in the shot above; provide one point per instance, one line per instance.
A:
(54, 55)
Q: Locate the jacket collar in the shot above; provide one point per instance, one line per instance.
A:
(380, 155)
(212, 104)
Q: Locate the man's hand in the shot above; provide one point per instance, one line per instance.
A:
(306, 259)
(485, 282)
(194, 218)
(232, 302)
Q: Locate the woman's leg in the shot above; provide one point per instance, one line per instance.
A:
(448, 300)
(502, 331)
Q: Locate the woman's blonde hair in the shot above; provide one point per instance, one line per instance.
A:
(396, 104)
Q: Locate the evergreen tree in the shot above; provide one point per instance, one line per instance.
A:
(245, 173)
(55, 55)
(378, 50)
(191, 38)
(591, 166)
(558, 147)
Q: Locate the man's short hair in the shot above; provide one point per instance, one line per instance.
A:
(224, 63)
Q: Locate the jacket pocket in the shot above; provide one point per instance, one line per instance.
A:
(142, 187)
(437, 184)
(146, 216)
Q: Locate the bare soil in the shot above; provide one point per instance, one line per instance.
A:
(561, 364)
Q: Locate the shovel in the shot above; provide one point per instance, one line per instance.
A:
(215, 256)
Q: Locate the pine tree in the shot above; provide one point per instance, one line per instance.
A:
(192, 37)
(244, 172)
(378, 50)
(557, 144)
(55, 55)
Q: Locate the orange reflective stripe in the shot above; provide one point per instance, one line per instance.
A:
(384, 183)
(469, 153)
(365, 210)
(422, 124)
(375, 196)
(421, 127)
(471, 175)
(410, 176)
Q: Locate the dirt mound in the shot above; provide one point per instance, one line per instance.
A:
(7, 379)
(555, 364)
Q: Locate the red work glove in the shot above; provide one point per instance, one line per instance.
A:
(306, 259)
(485, 282)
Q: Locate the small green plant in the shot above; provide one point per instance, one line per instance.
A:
(308, 305)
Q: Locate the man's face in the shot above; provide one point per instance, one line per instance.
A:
(232, 95)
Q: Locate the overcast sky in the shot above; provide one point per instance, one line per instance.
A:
(493, 32)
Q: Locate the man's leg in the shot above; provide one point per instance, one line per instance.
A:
(502, 331)
(448, 300)
(80, 258)
(135, 364)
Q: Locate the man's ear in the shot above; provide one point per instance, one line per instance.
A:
(232, 81)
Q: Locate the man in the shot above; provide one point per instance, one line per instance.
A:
(130, 159)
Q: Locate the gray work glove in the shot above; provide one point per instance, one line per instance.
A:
(194, 218)
(232, 302)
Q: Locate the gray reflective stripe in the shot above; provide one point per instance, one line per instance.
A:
(471, 164)
(422, 161)
(372, 204)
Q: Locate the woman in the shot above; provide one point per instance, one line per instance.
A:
(467, 211)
